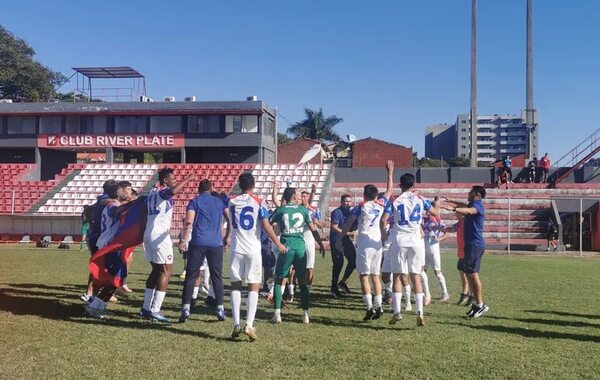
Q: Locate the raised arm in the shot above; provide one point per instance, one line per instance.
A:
(275, 195)
(313, 192)
(390, 179)
(177, 188)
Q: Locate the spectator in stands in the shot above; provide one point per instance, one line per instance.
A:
(531, 169)
(85, 225)
(339, 216)
(202, 231)
(507, 165)
(95, 230)
(545, 167)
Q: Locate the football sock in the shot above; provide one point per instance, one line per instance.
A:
(425, 283)
(159, 297)
(407, 293)
(378, 301)
(368, 300)
(195, 292)
(236, 302)
(252, 305)
(277, 297)
(442, 281)
(419, 303)
(304, 297)
(291, 290)
(396, 302)
(148, 296)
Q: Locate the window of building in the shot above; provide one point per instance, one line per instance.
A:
(73, 124)
(239, 123)
(130, 124)
(94, 124)
(463, 138)
(463, 147)
(204, 124)
(21, 125)
(165, 124)
(463, 122)
(50, 124)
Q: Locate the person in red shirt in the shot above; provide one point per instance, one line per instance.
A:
(545, 166)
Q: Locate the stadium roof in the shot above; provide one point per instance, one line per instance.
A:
(108, 72)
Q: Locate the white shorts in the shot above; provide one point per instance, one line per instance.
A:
(368, 257)
(408, 259)
(159, 250)
(245, 267)
(310, 253)
(432, 256)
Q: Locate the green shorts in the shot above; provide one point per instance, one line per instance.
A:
(85, 229)
(295, 255)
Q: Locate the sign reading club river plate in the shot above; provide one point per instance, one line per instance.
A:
(114, 141)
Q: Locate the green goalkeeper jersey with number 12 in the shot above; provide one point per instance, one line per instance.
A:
(291, 220)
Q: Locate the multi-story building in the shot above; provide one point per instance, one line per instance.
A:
(497, 136)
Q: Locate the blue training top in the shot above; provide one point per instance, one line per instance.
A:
(473, 229)
(207, 227)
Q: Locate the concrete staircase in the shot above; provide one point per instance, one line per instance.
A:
(530, 207)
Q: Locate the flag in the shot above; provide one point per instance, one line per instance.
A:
(108, 265)
(313, 151)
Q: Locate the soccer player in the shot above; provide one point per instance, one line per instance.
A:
(315, 216)
(158, 246)
(409, 255)
(291, 220)
(369, 244)
(95, 231)
(249, 217)
(474, 214)
(434, 230)
(338, 219)
(203, 231)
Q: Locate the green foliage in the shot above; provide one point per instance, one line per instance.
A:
(316, 126)
(153, 158)
(22, 78)
(283, 138)
(531, 332)
(430, 163)
(460, 162)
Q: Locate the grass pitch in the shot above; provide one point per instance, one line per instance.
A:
(544, 322)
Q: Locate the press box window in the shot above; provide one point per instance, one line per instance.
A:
(165, 124)
(18, 125)
(204, 124)
(241, 123)
(50, 124)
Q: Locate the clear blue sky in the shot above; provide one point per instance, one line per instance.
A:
(389, 68)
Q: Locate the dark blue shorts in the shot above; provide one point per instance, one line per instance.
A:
(472, 261)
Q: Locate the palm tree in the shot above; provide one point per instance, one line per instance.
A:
(316, 126)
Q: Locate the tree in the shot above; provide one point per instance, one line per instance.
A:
(282, 138)
(430, 163)
(316, 126)
(460, 162)
(22, 78)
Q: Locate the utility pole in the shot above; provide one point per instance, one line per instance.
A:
(473, 113)
(530, 117)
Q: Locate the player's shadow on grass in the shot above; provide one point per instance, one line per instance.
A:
(28, 304)
(564, 314)
(531, 333)
(551, 322)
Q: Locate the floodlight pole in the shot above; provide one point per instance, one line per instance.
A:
(473, 113)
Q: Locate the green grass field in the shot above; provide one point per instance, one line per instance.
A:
(544, 322)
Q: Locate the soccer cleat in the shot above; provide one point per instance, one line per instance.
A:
(481, 311)
(462, 301)
(427, 300)
(344, 287)
(182, 275)
(85, 298)
(250, 332)
(387, 297)
(145, 314)
(378, 313)
(220, 315)
(395, 318)
(237, 331)
(369, 315)
(335, 293)
(290, 298)
(444, 298)
(472, 310)
(306, 319)
(94, 312)
(471, 301)
(420, 321)
(276, 319)
(185, 314)
(158, 317)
